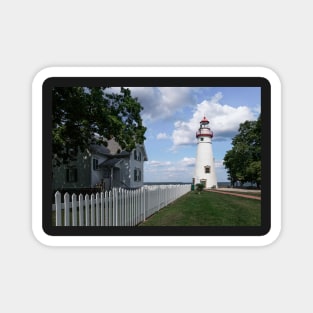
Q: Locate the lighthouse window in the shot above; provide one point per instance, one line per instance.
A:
(207, 169)
(201, 139)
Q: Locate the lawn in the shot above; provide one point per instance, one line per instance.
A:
(208, 209)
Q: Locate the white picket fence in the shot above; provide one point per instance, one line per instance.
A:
(118, 207)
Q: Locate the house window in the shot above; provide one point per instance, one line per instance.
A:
(137, 155)
(95, 164)
(137, 174)
(201, 139)
(72, 153)
(71, 175)
(207, 169)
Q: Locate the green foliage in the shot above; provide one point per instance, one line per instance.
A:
(91, 115)
(243, 161)
(199, 187)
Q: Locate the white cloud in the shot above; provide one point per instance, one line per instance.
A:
(154, 163)
(162, 102)
(224, 121)
(188, 162)
(184, 133)
(180, 171)
(219, 163)
(161, 136)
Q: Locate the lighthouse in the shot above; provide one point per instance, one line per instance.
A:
(205, 169)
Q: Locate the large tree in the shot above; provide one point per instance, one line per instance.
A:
(243, 161)
(92, 115)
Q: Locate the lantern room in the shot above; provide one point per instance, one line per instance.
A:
(204, 130)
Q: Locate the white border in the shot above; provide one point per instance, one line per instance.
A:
(270, 237)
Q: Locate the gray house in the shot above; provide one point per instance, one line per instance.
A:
(104, 167)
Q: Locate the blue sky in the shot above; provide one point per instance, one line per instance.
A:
(172, 116)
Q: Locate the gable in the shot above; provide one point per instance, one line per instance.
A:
(140, 148)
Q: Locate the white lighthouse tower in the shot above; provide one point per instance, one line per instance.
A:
(205, 169)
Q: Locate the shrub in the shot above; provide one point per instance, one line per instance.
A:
(199, 187)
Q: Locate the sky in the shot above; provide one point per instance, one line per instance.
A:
(172, 116)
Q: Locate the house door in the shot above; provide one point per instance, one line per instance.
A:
(116, 177)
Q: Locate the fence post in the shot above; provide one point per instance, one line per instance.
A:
(120, 211)
(87, 210)
(123, 208)
(81, 210)
(97, 210)
(146, 202)
(106, 209)
(132, 207)
(92, 200)
(58, 209)
(66, 209)
(142, 203)
(126, 195)
(115, 215)
(102, 208)
(110, 210)
(74, 210)
(137, 207)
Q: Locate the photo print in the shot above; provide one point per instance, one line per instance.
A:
(150, 158)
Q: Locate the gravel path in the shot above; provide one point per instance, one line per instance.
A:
(233, 193)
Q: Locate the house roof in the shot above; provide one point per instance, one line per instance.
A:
(110, 162)
(112, 149)
(101, 149)
(123, 153)
(145, 157)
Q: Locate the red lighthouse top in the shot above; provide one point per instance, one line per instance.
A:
(204, 120)
(204, 130)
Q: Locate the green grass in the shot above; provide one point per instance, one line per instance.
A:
(208, 209)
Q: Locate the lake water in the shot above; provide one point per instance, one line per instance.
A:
(220, 184)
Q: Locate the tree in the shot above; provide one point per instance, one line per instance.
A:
(254, 172)
(243, 161)
(91, 115)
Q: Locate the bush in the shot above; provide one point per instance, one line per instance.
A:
(199, 187)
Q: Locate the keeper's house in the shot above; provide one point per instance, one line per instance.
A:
(102, 167)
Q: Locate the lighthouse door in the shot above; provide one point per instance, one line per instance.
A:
(203, 182)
